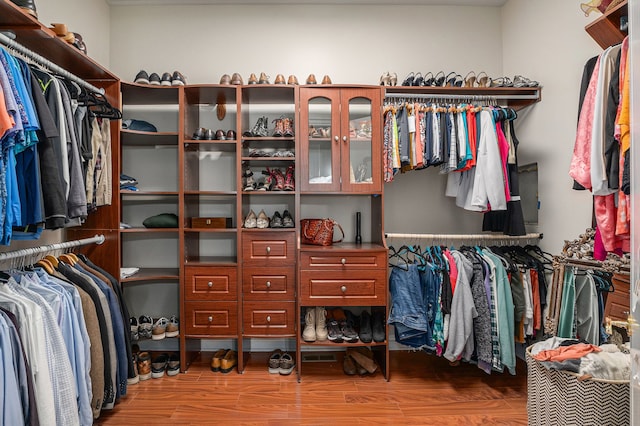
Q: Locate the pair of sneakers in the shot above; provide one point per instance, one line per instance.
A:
(169, 363)
(167, 79)
(145, 328)
(341, 326)
(281, 363)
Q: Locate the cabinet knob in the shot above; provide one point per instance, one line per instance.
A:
(210, 319)
(210, 284)
(268, 250)
(268, 318)
(336, 138)
(343, 261)
(268, 284)
(343, 289)
(344, 139)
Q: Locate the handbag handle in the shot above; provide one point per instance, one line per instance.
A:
(341, 231)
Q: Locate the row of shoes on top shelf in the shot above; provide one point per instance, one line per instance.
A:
(167, 79)
(340, 325)
(262, 221)
(283, 127)
(236, 79)
(274, 180)
(209, 134)
(453, 79)
(145, 328)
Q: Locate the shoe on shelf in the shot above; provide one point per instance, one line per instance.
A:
(278, 130)
(253, 79)
(133, 325)
(311, 79)
(321, 324)
(334, 333)
(159, 365)
(267, 183)
(173, 327)
(177, 79)
(309, 332)
(249, 182)
(378, 327)
(349, 334)
(385, 79)
(287, 130)
(225, 79)
(364, 357)
(366, 333)
(173, 364)
(470, 79)
(216, 361)
(159, 329)
(221, 135)
(279, 79)
(231, 135)
(326, 80)
(145, 324)
(262, 221)
(278, 179)
(154, 79)
(165, 80)
(349, 366)
(264, 78)
(142, 77)
(236, 79)
(289, 179)
(229, 361)
(135, 378)
(274, 361)
(292, 80)
(483, 79)
(251, 220)
(286, 364)
(144, 365)
(199, 134)
(417, 80)
(393, 80)
(408, 81)
(439, 79)
(209, 134)
(276, 220)
(287, 220)
(28, 6)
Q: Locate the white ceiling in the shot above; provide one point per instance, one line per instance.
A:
(334, 2)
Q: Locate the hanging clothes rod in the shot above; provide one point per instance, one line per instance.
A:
(98, 239)
(457, 96)
(465, 237)
(6, 41)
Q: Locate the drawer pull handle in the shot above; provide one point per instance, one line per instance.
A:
(268, 318)
(343, 261)
(344, 139)
(268, 250)
(210, 319)
(268, 284)
(343, 289)
(210, 284)
(336, 138)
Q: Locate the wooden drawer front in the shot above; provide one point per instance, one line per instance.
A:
(268, 283)
(211, 283)
(310, 260)
(211, 318)
(269, 318)
(319, 288)
(270, 248)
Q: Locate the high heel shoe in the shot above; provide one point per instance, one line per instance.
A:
(483, 79)
(385, 79)
(470, 79)
(438, 80)
(250, 221)
(278, 180)
(393, 80)
(428, 79)
(450, 79)
(262, 221)
(267, 183)
(289, 179)
(408, 81)
(417, 81)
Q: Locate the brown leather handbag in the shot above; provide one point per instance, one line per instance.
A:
(319, 232)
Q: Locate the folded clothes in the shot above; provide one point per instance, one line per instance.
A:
(129, 187)
(125, 179)
(127, 272)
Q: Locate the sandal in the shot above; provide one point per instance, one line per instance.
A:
(417, 81)
(408, 81)
(470, 79)
(450, 79)
(289, 181)
(438, 80)
(428, 79)
(250, 221)
(483, 79)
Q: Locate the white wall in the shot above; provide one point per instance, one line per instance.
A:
(89, 18)
(545, 40)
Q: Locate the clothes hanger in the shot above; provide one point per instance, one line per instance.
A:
(397, 254)
(52, 260)
(46, 264)
(67, 259)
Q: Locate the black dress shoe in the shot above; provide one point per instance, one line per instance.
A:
(29, 6)
(177, 79)
(166, 79)
(142, 77)
(154, 79)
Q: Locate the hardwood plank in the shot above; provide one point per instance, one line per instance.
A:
(355, 410)
(301, 398)
(443, 408)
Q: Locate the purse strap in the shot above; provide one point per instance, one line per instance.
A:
(341, 231)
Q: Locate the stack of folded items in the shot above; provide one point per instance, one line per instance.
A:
(128, 183)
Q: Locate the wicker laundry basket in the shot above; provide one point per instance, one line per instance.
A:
(558, 398)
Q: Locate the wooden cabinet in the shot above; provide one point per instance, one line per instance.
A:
(340, 131)
(606, 30)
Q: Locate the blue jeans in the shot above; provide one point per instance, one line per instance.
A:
(407, 296)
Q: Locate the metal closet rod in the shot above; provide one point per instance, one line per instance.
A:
(465, 237)
(40, 60)
(98, 239)
(456, 96)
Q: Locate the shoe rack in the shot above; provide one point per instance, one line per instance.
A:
(607, 29)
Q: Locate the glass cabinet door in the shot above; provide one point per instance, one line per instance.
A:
(320, 169)
(360, 141)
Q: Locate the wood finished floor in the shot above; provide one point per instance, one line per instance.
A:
(423, 390)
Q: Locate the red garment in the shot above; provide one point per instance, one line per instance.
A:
(606, 216)
(453, 270)
(473, 137)
(567, 352)
(503, 146)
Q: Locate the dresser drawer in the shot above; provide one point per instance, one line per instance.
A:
(268, 318)
(268, 248)
(343, 288)
(210, 319)
(211, 283)
(310, 260)
(268, 283)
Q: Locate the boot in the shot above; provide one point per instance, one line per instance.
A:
(28, 6)
(321, 324)
(363, 357)
(309, 332)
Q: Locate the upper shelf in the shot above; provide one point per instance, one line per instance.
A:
(514, 97)
(606, 29)
(37, 37)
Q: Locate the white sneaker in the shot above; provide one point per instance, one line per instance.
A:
(309, 332)
(321, 324)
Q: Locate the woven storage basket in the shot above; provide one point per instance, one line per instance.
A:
(558, 398)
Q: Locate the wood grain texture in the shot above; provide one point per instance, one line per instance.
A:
(423, 390)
